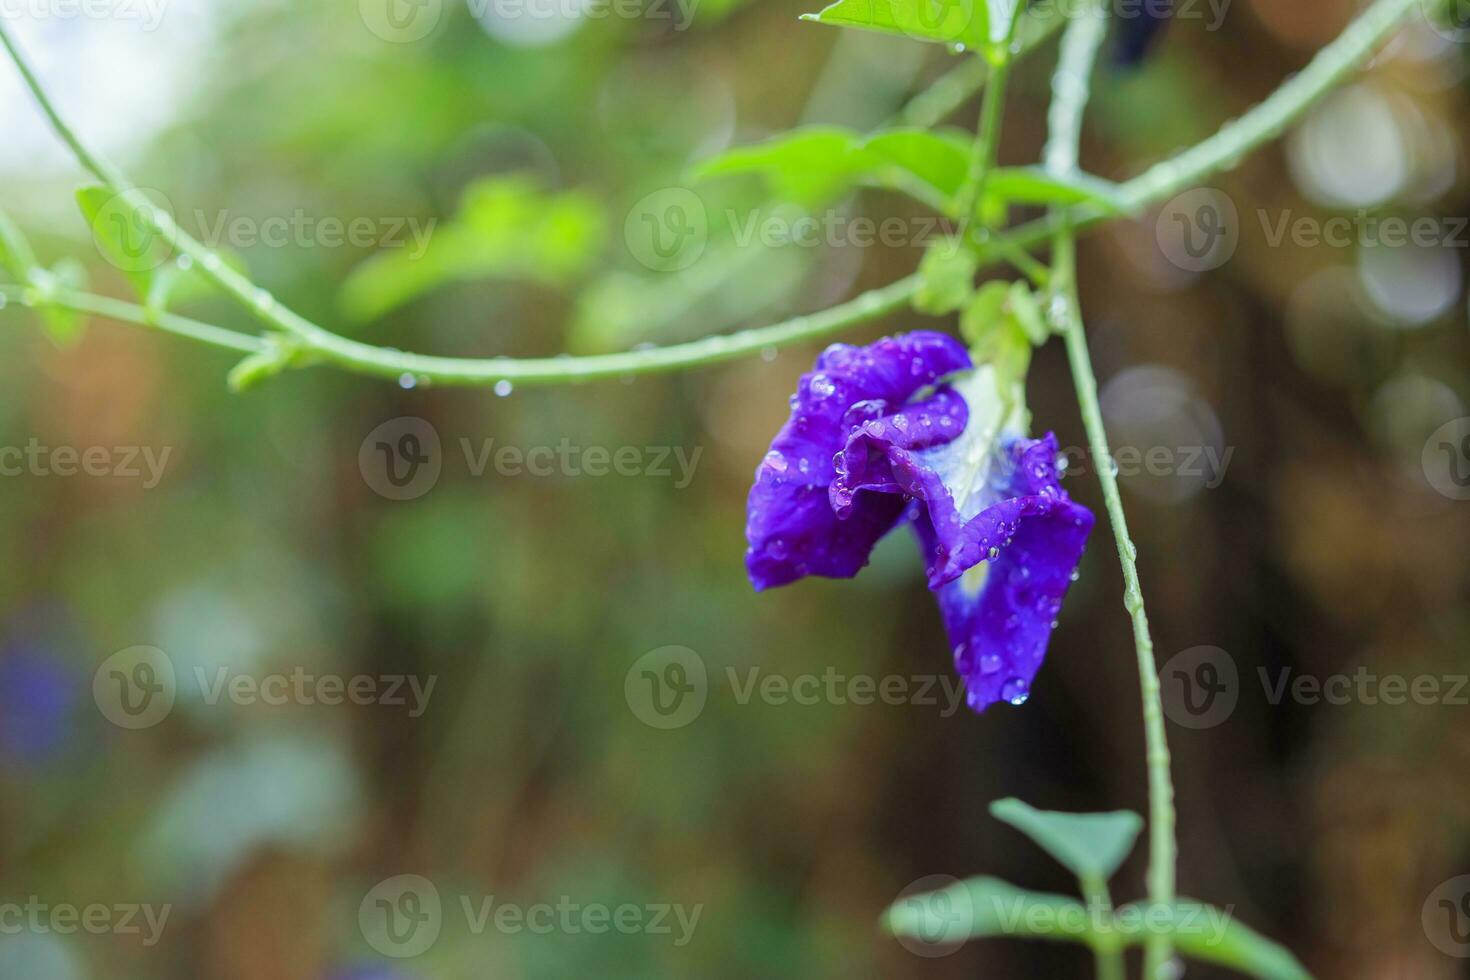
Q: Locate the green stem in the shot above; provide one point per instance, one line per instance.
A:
(1070, 90)
(116, 309)
(1107, 952)
(1161, 181)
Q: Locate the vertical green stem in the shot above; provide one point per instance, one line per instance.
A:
(1069, 97)
(1107, 952)
(1162, 847)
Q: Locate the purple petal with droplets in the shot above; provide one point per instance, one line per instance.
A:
(791, 527)
(1028, 533)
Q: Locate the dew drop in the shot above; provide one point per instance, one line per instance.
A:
(184, 262)
(407, 381)
(990, 663)
(822, 386)
(994, 552)
(768, 354)
(503, 388)
(212, 262)
(1015, 691)
(776, 462)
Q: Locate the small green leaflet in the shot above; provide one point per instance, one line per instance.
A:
(946, 278)
(983, 907)
(987, 907)
(1090, 845)
(1207, 933)
(123, 234)
(1032, 185)
(817, 165)
(964, 22)
(16, 256)
(63, 325)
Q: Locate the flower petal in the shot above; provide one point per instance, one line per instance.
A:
(790, 525)
(1001, 572)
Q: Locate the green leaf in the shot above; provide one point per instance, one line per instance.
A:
(1027, 311)
(123, 235)
(816, 165)
(1032, 185)
(16, 256)
(506, 228)
(1091, 845)
(63, 325)
(944, 21)
(947, 278)
(986, 907)
(810, 166)
(929, 165)
(1204, 932)
(279, 354)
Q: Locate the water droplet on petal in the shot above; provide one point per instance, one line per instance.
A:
(1015, 691)
(990, 663)
(776, 462)
(821, 386)
(994, 552)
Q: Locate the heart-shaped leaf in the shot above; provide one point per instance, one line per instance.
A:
(1091, 845)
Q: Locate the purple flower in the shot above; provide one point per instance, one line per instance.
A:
(904, 431)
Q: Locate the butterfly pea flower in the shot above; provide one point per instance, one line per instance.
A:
(908, 431)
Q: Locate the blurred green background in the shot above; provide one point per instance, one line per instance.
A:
(267, 546)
